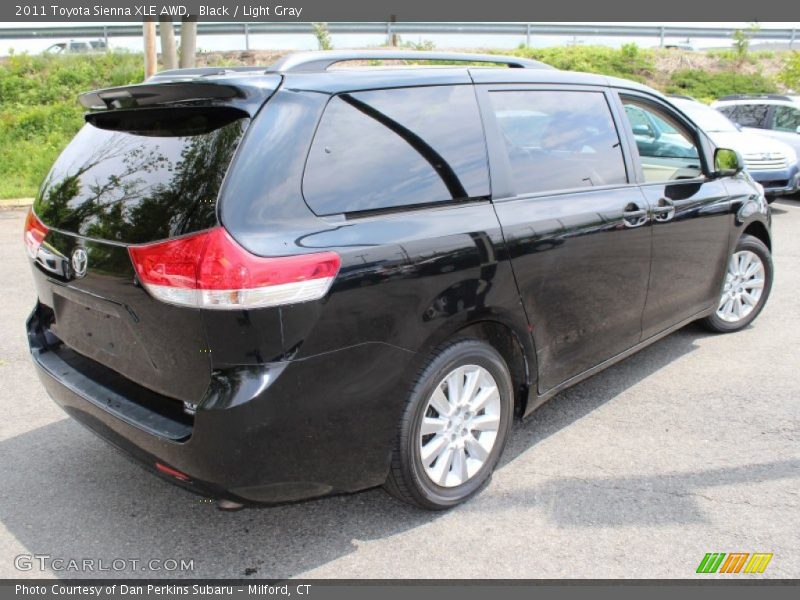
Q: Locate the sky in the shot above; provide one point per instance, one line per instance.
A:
(308, 42)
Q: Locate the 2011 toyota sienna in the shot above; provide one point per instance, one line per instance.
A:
(275, 284)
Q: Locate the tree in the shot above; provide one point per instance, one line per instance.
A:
(741, 40)
(323, 36)
(149, 36)
(169, 53)
(188, 41)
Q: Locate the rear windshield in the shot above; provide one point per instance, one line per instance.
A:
(141, 176)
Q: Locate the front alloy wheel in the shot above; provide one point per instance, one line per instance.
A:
(744, 285)
(747, 284)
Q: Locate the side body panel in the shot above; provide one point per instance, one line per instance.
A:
(409, 280)
(582, 276)
(689, 252)
(692, 221)
(582, 269)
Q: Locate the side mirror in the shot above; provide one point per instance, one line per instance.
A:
(727, 162)
(798, 129)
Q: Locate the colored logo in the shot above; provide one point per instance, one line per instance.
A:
(734, 562)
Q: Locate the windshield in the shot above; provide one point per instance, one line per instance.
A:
(707, 118)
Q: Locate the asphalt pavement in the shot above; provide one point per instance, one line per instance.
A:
(690, 446)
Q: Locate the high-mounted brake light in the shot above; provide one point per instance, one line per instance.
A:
(34, 234)
(211, 270)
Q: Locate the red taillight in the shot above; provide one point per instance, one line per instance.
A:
(34, 234)
(210, 270)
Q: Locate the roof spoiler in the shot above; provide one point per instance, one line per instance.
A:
(247, 94)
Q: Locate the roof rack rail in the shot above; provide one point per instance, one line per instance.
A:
(193, 73)
(756, 97)
(314, 62)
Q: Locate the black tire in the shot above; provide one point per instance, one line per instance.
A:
(407, 478)
(747, 242)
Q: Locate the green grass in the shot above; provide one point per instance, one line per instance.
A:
(706, 86)
(39, 111)
(637, 64)
(629, 61)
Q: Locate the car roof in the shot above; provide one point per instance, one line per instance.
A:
(363, 78)
(310, 71)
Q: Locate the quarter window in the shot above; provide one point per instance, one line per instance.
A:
(401, 147)
(667, 151)
(787, 118)
(558, 140)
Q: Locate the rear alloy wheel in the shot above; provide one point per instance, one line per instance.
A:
(748, 281)
(454, 427)
(459, 428)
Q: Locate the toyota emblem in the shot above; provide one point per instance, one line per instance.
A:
(80, 260)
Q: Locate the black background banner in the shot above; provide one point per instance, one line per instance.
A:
(710, 11)
(403, 589)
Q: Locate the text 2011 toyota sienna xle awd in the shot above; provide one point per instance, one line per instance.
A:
(277, 284)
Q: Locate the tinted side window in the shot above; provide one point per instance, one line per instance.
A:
(559, 140)
(400, 147)
(751, 115)
(787, 118)
(667, 151)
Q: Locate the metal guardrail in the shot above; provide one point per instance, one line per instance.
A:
(527, 30)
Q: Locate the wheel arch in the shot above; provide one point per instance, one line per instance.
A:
(758, 230)
(512, 341)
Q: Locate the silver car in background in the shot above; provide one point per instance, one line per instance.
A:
(771, 162)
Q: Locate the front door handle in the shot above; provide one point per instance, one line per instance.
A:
(634, 215)
(665, 211)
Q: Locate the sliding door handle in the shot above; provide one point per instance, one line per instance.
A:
(665, 211)
(634, 215)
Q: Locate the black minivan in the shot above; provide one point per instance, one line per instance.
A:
(280, 283)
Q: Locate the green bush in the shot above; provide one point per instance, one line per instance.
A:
(705, 85)
(39, 111)
(790, 72)
(630, 61)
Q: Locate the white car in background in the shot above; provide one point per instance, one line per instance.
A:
(771, 162)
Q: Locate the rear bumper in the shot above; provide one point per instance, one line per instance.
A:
(778, 182)
(268, 433)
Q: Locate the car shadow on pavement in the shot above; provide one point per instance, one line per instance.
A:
(67, 494)
(650, 500)
(581, 399)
